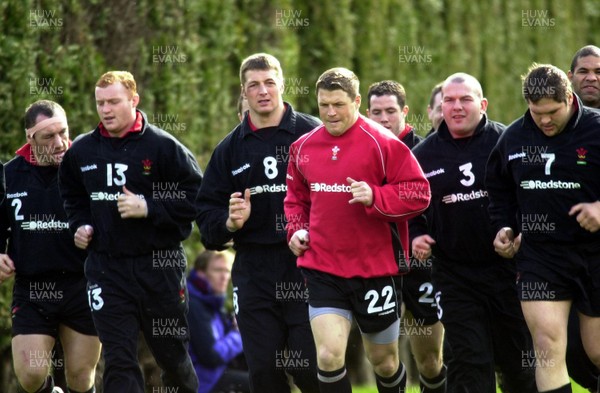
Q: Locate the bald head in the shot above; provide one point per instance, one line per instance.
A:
(464, 78)
(463, 104)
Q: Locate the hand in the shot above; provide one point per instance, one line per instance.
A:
(588, 215)
(361, 192)
(299, 242)
(421, 247)
(505, 243)
(83, 236)
(7, 267)
(131, 205)
(239, 210)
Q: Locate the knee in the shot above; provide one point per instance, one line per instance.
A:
(330, 358)
(31, 378)
(385, 365)
(386, 368)
(80, 377)
(429, 364)
(548, 343)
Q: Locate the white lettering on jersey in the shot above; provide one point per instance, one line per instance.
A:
(435, 172)
(464, 197)
(549, 185)
(19, 194)
(268, 188)
(106, 196)
(44, 225)
(240, 169)
(88, 168)
(323, 187)
(515, 156)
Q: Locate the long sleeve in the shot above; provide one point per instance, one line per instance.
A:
(502, 207)
(213, 201)
(177, 204)
(72, 190)
(297, 201)
(211, 351)
(406, 193)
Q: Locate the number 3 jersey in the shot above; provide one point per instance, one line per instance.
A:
(151, 164)
(34, 222)
(255, 160)
(457, 218)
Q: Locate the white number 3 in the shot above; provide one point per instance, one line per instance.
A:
(466, 170)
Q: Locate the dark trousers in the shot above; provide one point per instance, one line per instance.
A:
(485, 329)
(139, 293)
(272, 314)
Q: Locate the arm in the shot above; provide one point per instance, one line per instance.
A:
(503, 201)
(587, 215)
(296, 205)
(184, 174)
(213, 200)
(406, 193)
(2, 183)
(74, 194)
(211, 352)
(501, 189)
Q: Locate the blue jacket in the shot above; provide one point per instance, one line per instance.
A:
(214, 341)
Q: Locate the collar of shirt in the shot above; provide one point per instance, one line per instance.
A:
(137, 126)
(405, 131)
(26, 152)
(253, 127)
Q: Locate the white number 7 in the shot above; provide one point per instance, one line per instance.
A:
(550, 157)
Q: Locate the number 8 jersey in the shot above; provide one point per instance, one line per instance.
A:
(257, 160)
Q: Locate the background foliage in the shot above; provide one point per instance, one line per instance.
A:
(185, 55)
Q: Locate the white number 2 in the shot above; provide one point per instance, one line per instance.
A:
(17, 204)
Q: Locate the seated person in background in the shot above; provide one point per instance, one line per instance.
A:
(215, 338)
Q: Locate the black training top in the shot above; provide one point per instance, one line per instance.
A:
(256, 160)
(151, 164)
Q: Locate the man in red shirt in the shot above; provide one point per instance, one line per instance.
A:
(349, 182)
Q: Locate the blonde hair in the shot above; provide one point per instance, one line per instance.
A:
(124, 77)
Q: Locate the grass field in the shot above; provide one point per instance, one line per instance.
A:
(373, 389)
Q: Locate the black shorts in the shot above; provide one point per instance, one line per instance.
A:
(373, 302)
(41, 304)
(552, 272)
(419, 293)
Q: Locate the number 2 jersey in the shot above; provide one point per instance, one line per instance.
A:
(151, 164)
(457, 218)
(545, 177)
(257, 160)
(33, 220)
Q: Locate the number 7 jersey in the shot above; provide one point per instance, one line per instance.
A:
(546, 176)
